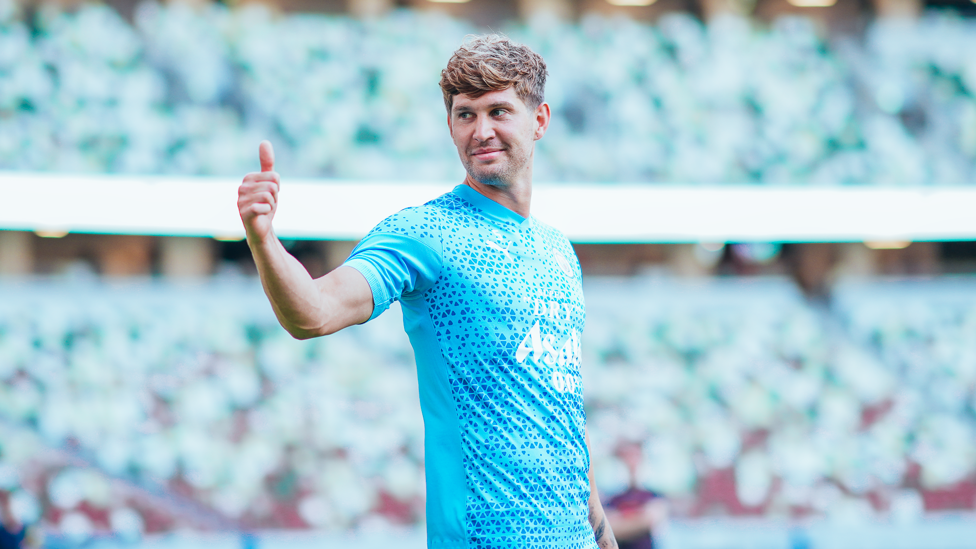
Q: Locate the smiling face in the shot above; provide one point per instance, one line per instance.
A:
(495, 135)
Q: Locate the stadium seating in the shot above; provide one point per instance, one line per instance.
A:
(143, 408)
(192, 90)
(753, 401)
(197, 397)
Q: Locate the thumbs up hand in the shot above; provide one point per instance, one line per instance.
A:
(257, 197)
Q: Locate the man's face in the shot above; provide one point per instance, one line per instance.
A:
(495, 135)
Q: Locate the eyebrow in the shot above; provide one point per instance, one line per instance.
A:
(491, 107)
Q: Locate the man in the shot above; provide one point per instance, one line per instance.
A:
(11, 533)
(637, 513)
(492, 302)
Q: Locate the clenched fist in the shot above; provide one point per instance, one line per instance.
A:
(257, 197)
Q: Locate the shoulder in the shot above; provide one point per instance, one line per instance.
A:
(425, 223)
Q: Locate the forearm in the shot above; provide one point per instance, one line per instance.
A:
(292, 292)
(601, 527)
(598, 519)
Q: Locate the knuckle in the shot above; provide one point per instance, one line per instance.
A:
(256, 187)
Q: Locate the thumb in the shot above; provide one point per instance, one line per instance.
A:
(266, 155)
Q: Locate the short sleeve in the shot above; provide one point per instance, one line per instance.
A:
(395, 266)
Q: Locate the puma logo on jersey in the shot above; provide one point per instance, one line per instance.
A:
(496, 246)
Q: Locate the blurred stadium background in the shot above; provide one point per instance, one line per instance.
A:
(812, 389)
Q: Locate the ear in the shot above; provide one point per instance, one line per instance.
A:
(542, 117)
(450, 127)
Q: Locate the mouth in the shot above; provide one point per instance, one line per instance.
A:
(486, 153)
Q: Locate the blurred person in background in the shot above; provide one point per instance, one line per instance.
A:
(637, 513)
(12, 533)
(492, 302)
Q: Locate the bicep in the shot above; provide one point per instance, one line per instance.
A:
(347, 296)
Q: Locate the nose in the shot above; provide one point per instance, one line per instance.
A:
(484, 130)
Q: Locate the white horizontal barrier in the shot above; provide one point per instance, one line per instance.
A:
(344, 210)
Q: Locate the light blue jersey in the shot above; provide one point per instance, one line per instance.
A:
(493, 305)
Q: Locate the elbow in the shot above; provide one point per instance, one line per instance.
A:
(301, 333)
(328, 331)
(305, 326)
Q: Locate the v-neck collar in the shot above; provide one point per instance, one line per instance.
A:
(491, 208)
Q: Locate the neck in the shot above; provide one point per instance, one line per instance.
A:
(516, 197)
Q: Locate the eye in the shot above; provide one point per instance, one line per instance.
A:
(464, 115)
(498, 112)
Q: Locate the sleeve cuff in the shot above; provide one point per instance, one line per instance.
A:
(381, 301)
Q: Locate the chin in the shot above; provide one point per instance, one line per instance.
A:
(491, 179)
(494, 182)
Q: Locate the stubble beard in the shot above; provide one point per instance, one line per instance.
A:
(500, 177)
